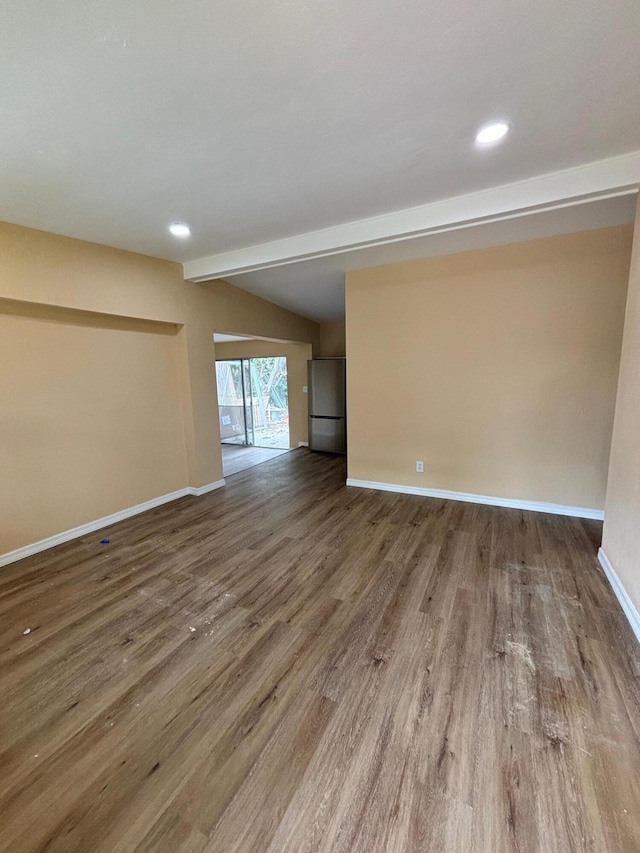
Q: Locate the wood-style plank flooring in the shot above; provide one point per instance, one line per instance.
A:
(239, 457)
(289, 665)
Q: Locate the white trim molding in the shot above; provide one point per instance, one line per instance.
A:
(467, 497)
(202, 490)
(303, 444)
(105, 521)
(629, 608)
(609, 178)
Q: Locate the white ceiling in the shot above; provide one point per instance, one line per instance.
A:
(255, 121)
(220, 338)
(223, 338)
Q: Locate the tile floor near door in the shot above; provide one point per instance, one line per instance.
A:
(288, 664)
(239, 457)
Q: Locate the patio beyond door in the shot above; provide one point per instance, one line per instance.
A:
(253, 401)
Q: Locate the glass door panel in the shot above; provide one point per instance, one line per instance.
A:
(270, 410)
(229, 377)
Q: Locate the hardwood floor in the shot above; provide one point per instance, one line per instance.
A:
(288, 664)
(239, 457)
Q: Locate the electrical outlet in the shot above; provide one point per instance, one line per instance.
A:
(420, 466)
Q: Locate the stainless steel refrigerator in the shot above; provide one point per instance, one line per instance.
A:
(327, 385)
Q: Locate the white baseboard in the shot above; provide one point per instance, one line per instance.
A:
(105, 521)
(202, 490)
(303, 444)
(533, 506)
(630, 610)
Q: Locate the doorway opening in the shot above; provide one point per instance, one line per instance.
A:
(253, 402)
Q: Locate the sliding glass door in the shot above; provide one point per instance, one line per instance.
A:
(253, 401)
(232, 379)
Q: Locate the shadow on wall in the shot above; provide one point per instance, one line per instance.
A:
(333, 339)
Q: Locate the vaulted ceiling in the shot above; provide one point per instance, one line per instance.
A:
(257, 121)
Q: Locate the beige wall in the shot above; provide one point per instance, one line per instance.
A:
(333, 339)
(41, 273)
(89, 420)
(621, 538)
(297, 356)
(239, 312)
(496, 367)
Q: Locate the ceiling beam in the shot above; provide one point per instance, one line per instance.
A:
(579, 185)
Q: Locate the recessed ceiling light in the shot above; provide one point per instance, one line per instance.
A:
(490, 133)
(179, 229)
